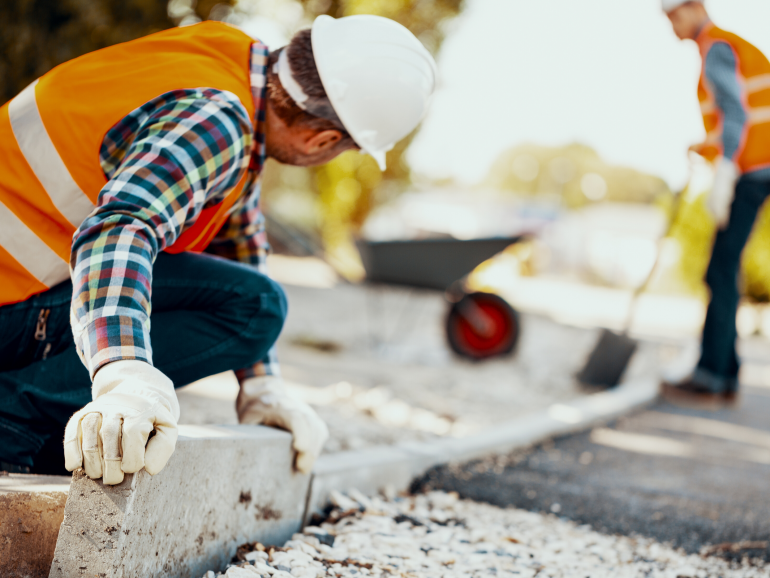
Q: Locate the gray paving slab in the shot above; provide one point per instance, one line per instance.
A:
(694, 478)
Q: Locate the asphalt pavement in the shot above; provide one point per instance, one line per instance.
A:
(696, 479)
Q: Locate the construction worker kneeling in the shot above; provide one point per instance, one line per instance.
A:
(132, 247)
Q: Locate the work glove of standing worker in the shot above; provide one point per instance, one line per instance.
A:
(722, 194)
(264, 400)
(108, 437)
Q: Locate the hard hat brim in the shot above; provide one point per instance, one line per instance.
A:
(379, 156)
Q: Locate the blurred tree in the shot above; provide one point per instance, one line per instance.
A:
(578, 176)
(36, 35)
(575, 173)
(423, 17)
(694, 231)
(756, 260)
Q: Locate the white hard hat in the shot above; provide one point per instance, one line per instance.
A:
(378, 77)
(670, 5)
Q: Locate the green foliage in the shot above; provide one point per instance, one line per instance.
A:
(36, 35)
(756, 259)
(574, 172)
(422, 17)
(349, 187)
(536, 170)
(694, 231)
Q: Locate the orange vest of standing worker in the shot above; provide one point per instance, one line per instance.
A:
(52, 132)
(754, 74)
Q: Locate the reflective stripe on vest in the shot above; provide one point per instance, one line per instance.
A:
(44, 159)
(758, 83)
(708, 107)
(30, 251)
(713, 138)
(759, 115)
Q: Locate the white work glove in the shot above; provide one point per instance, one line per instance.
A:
(108, 437)
(722, 194)
(264, 400)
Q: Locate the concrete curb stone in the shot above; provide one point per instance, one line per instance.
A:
(224, 485)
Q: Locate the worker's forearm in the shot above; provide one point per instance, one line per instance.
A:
(111, 277)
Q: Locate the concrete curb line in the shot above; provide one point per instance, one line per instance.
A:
(394, 468)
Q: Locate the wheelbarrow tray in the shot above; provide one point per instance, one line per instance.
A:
(427, 263)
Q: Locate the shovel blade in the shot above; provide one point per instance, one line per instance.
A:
(608, 360)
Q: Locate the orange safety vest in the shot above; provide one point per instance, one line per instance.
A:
(52, 132)
(754, 75)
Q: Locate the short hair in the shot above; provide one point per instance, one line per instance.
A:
(300, 56)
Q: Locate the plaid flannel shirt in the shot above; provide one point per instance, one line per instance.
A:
(165, 162)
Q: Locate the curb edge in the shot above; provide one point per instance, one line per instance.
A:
(394, 467)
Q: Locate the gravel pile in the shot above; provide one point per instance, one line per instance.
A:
(437, 534)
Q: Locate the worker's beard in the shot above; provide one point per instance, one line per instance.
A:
(288, 155)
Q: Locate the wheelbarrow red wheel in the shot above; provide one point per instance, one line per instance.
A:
(482, 325)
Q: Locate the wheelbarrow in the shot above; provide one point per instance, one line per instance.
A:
(478, 325)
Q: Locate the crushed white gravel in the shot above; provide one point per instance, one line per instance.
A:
(439, 535)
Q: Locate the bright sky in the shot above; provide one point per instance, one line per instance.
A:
(607, 73)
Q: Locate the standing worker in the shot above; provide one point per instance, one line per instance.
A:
(734, 94)
(125, 176)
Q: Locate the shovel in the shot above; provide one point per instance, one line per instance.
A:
(613, 352)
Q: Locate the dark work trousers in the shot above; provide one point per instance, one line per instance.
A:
(208, 315)
(718, 365)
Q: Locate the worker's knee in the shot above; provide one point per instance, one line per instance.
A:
(273, 306)
(264, 311)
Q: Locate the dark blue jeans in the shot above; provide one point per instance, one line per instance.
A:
(718, 366)
(208, 315)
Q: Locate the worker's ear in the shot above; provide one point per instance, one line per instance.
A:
(322, 142)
